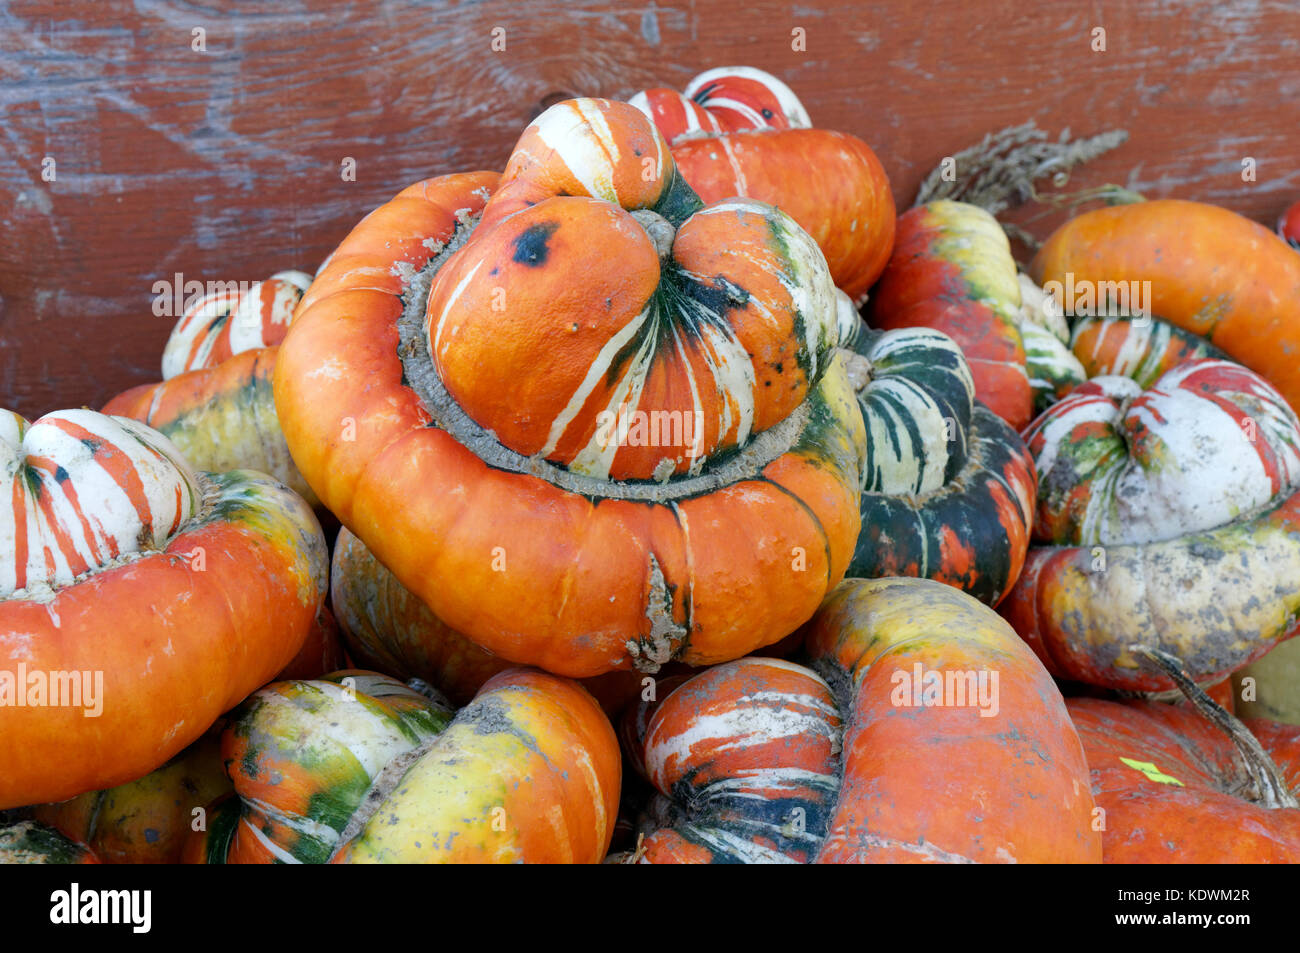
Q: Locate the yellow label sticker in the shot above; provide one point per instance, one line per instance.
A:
(1152, 772)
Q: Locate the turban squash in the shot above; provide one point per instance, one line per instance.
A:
(1167, 518)
(214, 402)
(359, 768)
(762, 760)
(166, 594)
(1211, 272)
(1141, 348)
(737, 130)
(148, 820)
(388, 629)
(952, 270)
(471, 363)
(948, 487)
(1191, 784)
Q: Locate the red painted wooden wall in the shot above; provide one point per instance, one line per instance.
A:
(224, 163)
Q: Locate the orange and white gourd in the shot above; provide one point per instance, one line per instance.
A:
(876, 756)
(1166, 518)
(479, 346)
(215, 401)
(359, 768)
(174, 592)
(739, 131)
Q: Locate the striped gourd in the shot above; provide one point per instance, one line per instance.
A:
(752, 746)
(1166, 519)
(948, 488)
(1207, 443)
(359, 768)
(211, 579)
(215, 401)
(230, 320)
(1053, 370)
(520, 358)
(84, 491)
(1138, 347)
(763, 761)
(1052, 367)
(298, 785)
(739, 131)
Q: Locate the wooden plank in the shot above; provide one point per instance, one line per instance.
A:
(224, 164)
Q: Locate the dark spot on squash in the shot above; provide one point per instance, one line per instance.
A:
(530, 245)
(60, 474)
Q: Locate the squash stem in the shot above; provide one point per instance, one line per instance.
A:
(1270, 787)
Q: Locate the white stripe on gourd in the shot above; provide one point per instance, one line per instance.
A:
(794, 111)
(695, 116)
(598, 455)
(456, 292)
(721, 841)
(252, 318)
(579, 135)
(301, 825)
(272, 848)
(595, 373)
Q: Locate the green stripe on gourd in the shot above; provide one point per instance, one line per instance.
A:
(1053, 369)
(375, 719)
(832, 436)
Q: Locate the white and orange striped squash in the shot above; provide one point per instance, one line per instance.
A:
(215, 401)
(766, 761)
(139, 599)
(484, 335)
(740, 131)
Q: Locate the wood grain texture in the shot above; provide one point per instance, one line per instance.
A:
(225, 164)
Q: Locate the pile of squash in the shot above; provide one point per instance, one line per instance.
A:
(682, 503)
